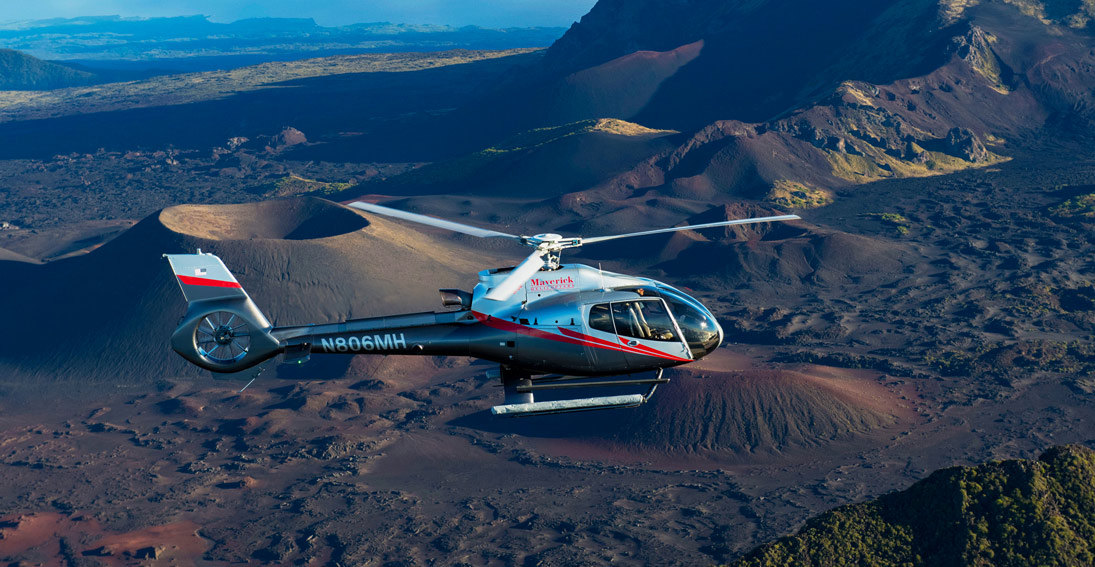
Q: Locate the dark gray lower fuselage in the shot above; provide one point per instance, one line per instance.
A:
(461, 334)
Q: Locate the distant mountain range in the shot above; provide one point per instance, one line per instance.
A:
(1001, 513)
(193, 43)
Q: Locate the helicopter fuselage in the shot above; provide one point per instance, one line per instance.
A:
(574, 320)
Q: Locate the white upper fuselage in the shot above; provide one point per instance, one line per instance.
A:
(547, 284)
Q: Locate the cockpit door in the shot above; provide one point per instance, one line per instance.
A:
(650, 337)
(602, 344)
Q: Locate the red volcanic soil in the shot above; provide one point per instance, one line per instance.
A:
(179, 540)
(35, 537)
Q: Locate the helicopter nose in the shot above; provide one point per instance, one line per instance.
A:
(713, 345)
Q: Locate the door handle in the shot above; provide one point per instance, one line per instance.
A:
(632, 343)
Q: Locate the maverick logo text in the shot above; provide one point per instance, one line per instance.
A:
(538, 284)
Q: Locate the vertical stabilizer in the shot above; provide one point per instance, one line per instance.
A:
(204, 276)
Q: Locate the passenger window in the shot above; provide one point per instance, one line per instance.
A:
(644, 320)
(600, 318)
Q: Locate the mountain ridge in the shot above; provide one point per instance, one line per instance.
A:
(20, 72)
(1013, 512)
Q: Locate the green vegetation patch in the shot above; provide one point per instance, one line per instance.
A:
(296, 185)
(1073, 14)
(1021, 512)
(871, 163)
(898, 222)
(792, 195)
(1071, 362)
(541, 136)
(1079, 207)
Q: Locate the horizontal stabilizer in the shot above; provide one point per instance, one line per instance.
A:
(566, 406)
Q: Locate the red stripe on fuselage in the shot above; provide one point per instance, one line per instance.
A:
(637, 349)
(647, 350)
(570, 337)
(594, 341)
(503, 325)
(191, 280)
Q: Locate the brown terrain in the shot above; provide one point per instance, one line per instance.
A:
(933, 308)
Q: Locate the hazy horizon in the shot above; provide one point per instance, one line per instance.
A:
(485, 13)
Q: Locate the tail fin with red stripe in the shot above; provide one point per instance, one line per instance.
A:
(203, 277)
(223, 330)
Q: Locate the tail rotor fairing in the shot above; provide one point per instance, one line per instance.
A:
(222, 338)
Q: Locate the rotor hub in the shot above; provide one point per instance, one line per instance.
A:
(551, 242)
(223, 335)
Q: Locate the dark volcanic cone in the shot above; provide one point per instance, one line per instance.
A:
(708, 410)
(750, 411)
(108, 315)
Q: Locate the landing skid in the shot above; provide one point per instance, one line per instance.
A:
(520, 388)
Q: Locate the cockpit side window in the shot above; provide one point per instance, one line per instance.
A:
(600, 318)
(644, 320)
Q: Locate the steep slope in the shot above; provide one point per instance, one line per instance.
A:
(621, 87)
(22, 72)
(763, 58)
(9, 256)
(1002, 513)
(529, 163)
(758, 58)
(956, 117)
(107, 315)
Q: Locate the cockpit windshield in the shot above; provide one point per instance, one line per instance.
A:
(701, 330)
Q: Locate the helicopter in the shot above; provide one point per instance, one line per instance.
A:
(548, 325)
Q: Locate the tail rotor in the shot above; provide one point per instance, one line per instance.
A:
(222, 338)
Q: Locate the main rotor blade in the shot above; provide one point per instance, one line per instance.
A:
(423, 219)
(517, 277)
(691, 227)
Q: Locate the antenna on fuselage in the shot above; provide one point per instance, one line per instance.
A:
(601, 273)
